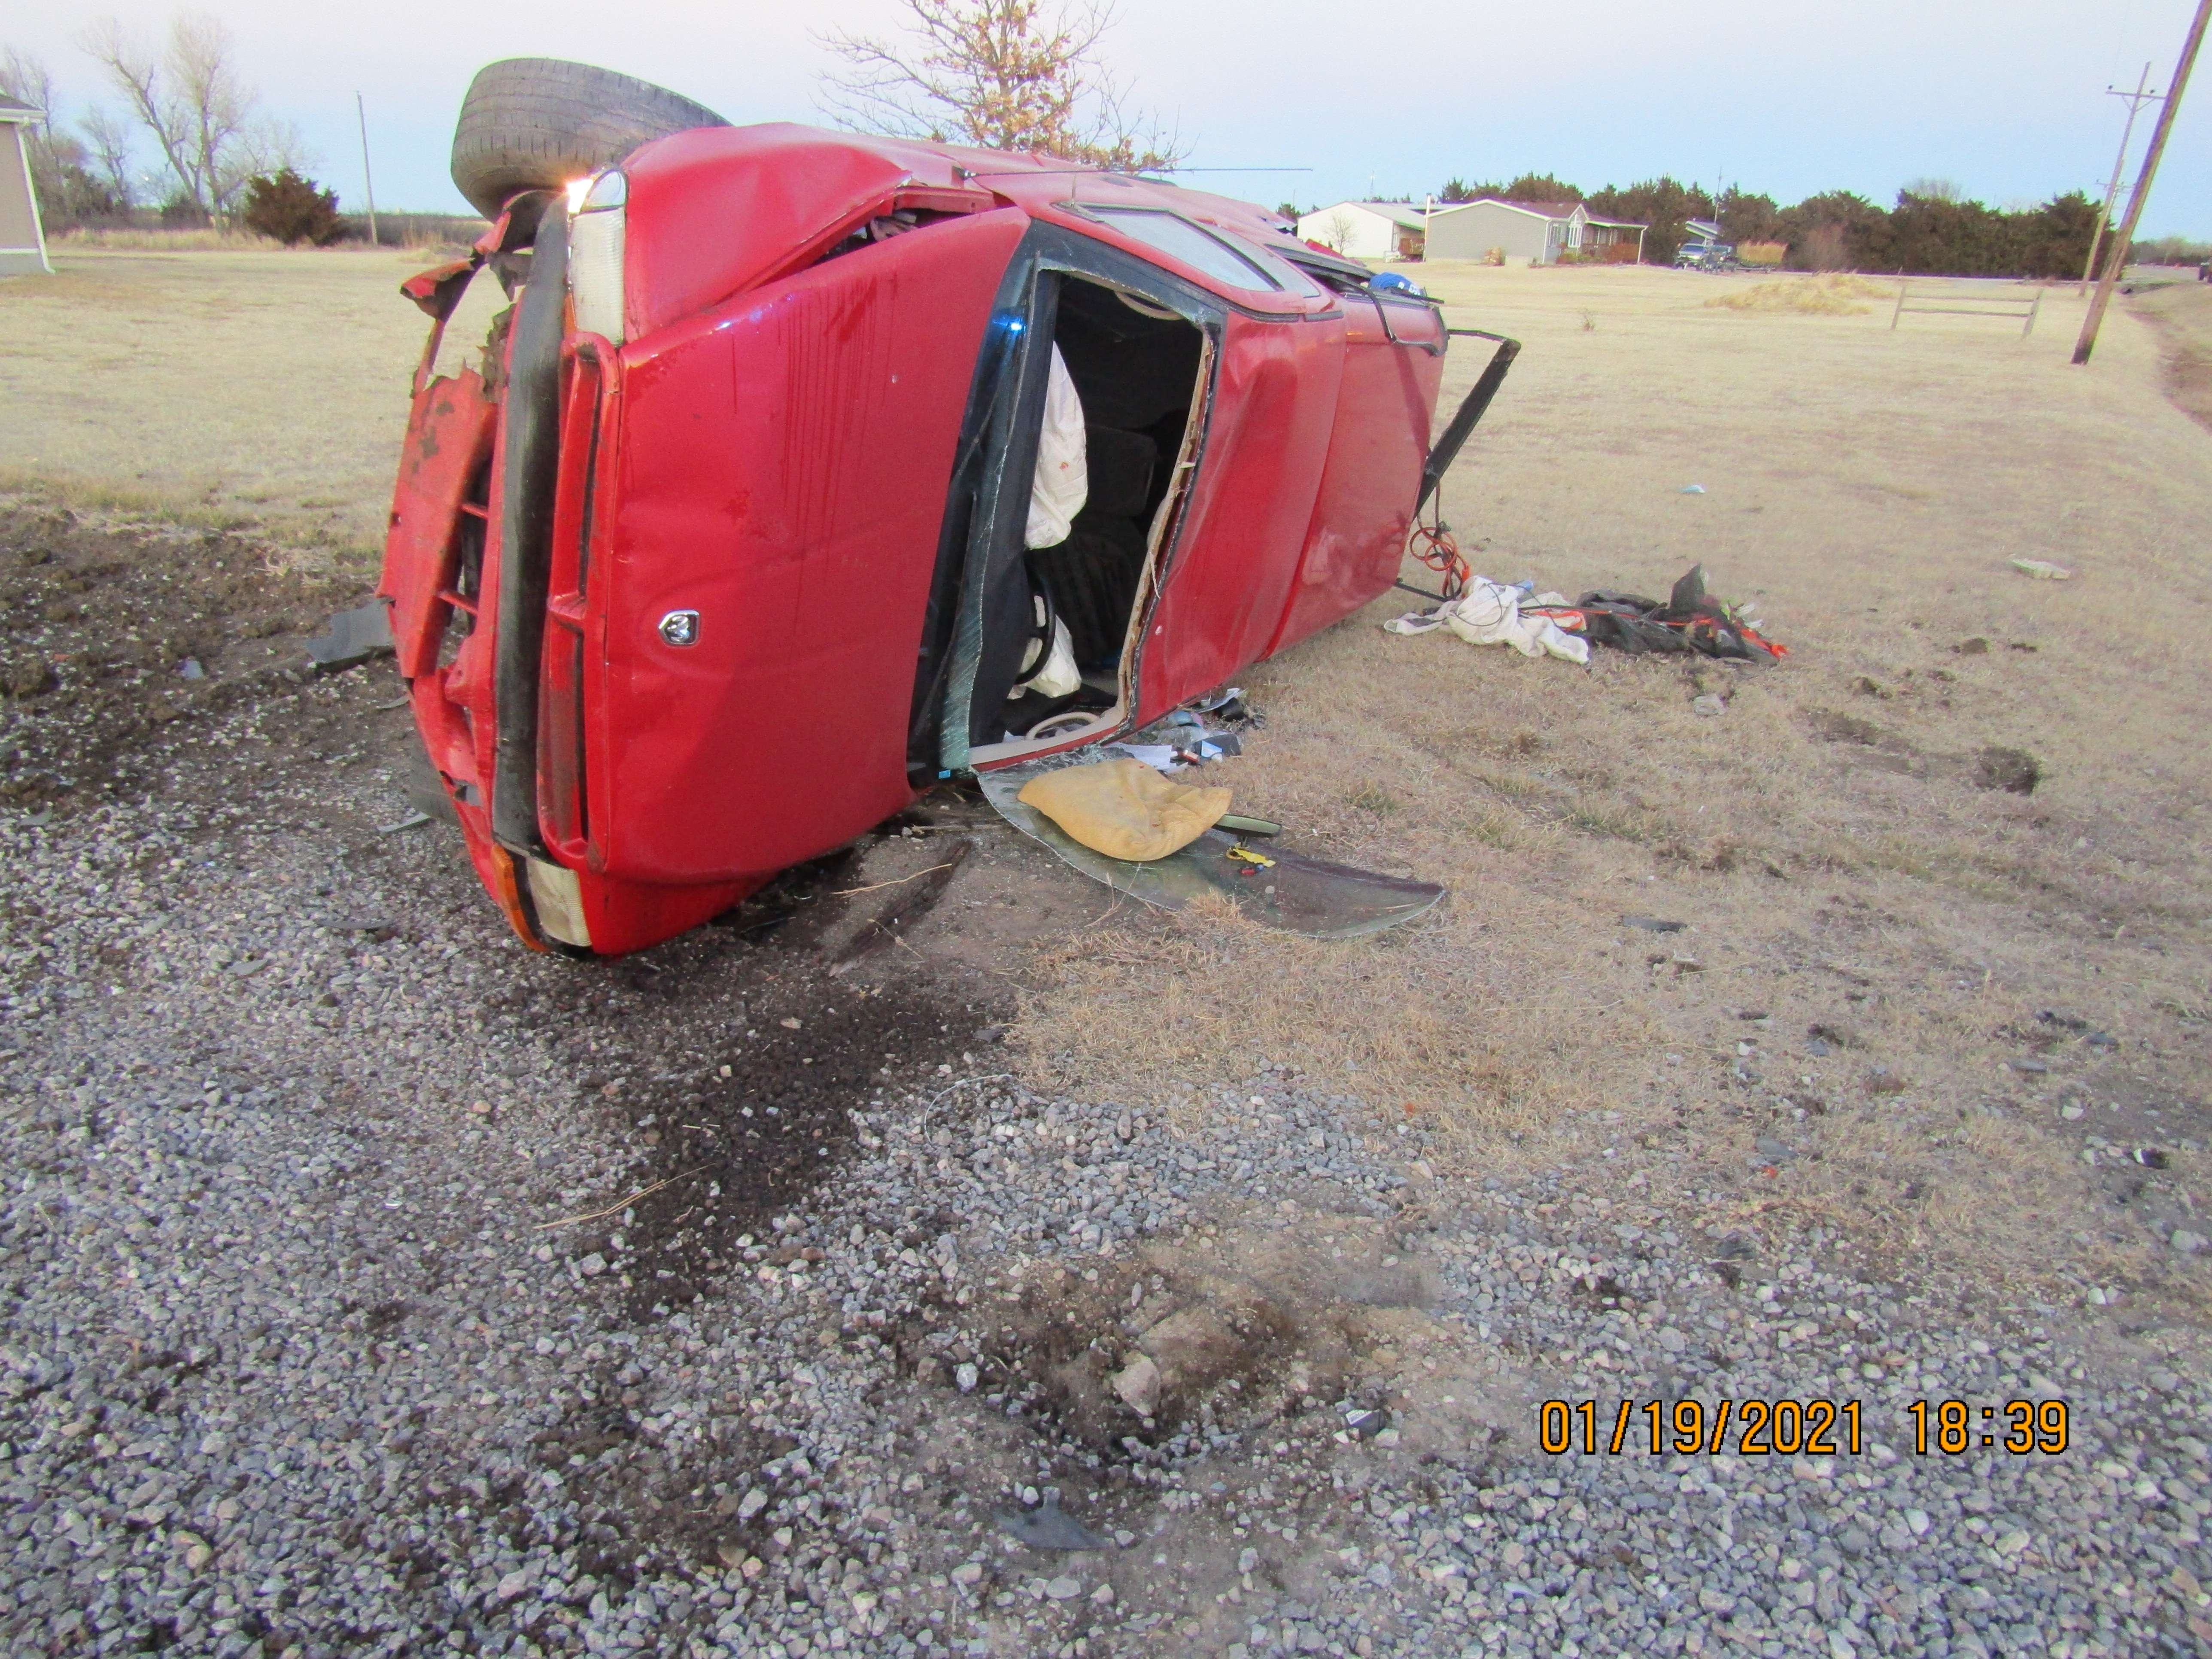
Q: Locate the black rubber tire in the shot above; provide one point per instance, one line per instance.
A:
(530, 461)
(536, 123)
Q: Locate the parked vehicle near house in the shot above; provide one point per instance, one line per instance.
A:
(730, 547)
(1702, 248)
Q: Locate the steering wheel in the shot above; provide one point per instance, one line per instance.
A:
(1044, 616)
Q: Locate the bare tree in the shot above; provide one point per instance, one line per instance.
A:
(69, 190)
(1017, 74)
(1336, 231)
(107, 136)
(191, 100)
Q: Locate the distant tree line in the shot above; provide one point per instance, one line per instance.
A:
(1931, 230)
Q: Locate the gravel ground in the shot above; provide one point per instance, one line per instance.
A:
(344, 1314)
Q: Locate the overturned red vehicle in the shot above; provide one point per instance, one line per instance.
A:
(734, 543)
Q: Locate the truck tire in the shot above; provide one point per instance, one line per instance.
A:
(536, 123)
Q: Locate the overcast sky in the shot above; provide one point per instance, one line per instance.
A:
(2006, 100)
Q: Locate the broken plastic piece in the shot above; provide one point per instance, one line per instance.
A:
(355, 636)
(1048, 1526)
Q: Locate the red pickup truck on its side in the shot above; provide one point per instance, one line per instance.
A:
(724, 553)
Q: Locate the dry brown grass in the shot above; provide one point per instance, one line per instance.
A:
(205, 240)
(263, 388)
(1870, 886)
(1835, 295)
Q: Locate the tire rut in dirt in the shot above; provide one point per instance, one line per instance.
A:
(732, 1059)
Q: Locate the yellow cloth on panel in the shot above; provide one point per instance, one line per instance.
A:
(1125, 808)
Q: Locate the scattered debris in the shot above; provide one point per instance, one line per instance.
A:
(1653, 924)
(1690, 489)
(412, 821)
(1688, 619)
(1138, 1384)
(1245, 826)
(1487, 612)
(1711, 703)
(1299, 894)
(2042, 569)
(1124, 808)
(353, 637)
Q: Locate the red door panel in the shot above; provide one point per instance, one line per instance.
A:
(785, 463)
(1364, 509)
(1228, 578)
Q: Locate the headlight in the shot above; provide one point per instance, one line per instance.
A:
(596, 234)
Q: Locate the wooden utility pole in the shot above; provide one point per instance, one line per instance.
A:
(368, 183)
(2135, 102)
(2116, 256)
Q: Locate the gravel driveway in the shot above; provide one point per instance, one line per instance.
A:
(374, 1286)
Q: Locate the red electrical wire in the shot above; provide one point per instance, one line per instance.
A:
(1434, 547)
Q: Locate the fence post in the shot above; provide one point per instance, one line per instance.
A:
(2028, 327)
(1899, 312)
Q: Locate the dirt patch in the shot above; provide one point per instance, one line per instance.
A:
(2180, 314)
(1995, 766)
(113, 633)
(1254, 1325)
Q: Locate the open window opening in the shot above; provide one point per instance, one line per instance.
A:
(1114, 455)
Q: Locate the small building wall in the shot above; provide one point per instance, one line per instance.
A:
(22, 248)
(1367, 234)
(1470, 231)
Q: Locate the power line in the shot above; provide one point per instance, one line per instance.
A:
(2116, 256)
(2135, 102)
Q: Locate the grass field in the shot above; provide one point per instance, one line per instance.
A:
(1902, 1001)
(230, 387)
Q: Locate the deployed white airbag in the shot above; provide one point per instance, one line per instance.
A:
(1062, 483)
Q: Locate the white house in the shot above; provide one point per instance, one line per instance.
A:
(22, 239)
(1530, 233)
(1367, 230)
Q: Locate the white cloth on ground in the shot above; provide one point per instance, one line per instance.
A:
(1062, 482)
(1489, 613)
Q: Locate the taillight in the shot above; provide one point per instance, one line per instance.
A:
(596, 235)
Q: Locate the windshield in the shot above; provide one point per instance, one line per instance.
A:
(1202, 250)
